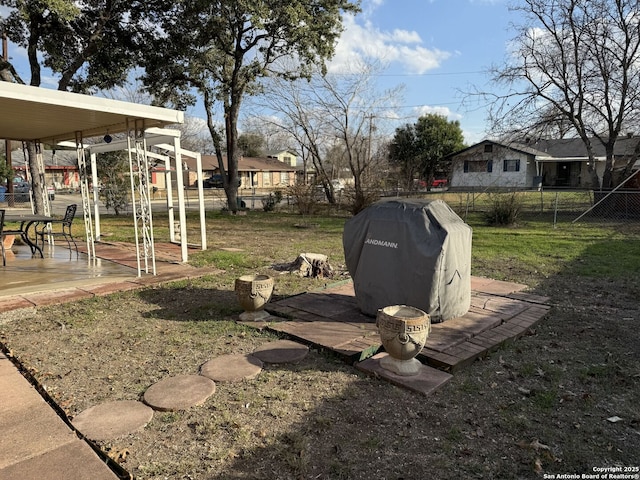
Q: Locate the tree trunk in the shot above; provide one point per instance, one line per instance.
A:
(37, 180)
(607, 176)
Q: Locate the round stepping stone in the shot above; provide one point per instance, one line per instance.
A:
(112, 419)
(232, 368)
(281, 351)
(179, 392)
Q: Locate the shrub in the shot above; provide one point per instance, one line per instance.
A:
(304, 196)
(269, 203)
(504, 208)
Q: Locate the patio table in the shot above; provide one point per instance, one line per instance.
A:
(27, 222)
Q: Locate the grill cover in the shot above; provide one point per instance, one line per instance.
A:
(410, 252)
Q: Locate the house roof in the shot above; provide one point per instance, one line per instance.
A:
(574, 147)
(245, 164)
(51, 158)
(520, 147)
(40, 114)
(565, 148)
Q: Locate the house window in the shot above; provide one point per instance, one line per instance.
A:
(511, 165)
(284, 178)
(488, 148)
(475, 166)
(266, 179)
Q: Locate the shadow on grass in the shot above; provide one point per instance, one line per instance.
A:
(191, 303)
(546, 403)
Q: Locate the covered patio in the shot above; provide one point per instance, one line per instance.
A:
(87, 123)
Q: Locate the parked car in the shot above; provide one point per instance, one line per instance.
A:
(214, 181)
(435, 183)
(21, 189)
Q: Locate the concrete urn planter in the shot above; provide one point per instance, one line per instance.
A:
(403, 332)
(254, 292)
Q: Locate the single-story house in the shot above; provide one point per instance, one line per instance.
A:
(60, 167)
(254, 172)
(550, 163)
(61, 170)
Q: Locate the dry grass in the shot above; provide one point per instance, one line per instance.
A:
(539, 405)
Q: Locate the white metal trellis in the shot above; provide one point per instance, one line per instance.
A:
(86, 203)
(137, 144)
(140, 198)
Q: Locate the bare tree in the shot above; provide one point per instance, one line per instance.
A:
(576, 63)
(274, 137)
(334, 118)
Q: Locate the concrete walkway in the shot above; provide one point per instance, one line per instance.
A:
(35, 441)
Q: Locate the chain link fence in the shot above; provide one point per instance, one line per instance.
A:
(561, 206)
(18, 200)
(547, 205)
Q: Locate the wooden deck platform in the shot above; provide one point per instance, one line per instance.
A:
(330, 318)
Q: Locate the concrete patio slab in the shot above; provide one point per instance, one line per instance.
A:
(35, 442)
(30, 430)
(72, 461)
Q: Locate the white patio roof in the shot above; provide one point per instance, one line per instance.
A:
(50, 116)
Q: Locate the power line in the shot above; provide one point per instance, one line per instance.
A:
(434, 74)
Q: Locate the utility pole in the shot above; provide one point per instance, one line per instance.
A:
(7, 142)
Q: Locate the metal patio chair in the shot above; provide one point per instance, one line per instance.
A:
(50, 231)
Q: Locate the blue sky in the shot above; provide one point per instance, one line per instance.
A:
(435, 48)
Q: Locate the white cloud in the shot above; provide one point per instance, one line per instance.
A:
(473, 136)
(404, 36)
(438, 110)
(399, 47)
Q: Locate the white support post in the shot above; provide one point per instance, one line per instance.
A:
(203, 223)
(44, 195)
(96, 206)
(181, 211)
(170, 207)
(134, 203)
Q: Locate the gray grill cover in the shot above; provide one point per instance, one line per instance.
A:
(410, 252)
